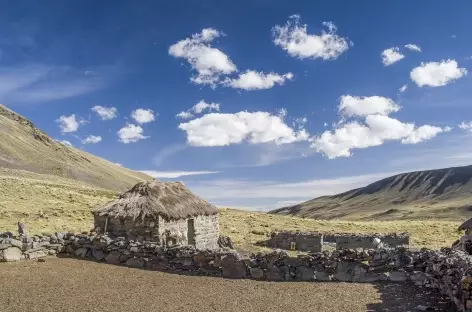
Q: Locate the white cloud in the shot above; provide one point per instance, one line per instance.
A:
(413, 47)
(436, 74)
(92, 139)
(253, 80)
(403, 88)
(175, 174)
(295, 40)
(362, 106)
(65, 142)
(376, 130)
(131, 133)
(217, 129)
(390, 56)
(466, 126)
(105, 113)
(199, 108)
(69, 123)
(143, 116)
(209, 63)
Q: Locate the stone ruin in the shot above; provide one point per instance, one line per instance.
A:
(314, 241)
(448, 270)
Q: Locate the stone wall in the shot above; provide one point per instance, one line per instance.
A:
(137, 229)
(446, 270)
(207, 231)
(302, 241)
(346, 241)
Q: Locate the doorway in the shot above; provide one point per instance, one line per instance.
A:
(191, 232)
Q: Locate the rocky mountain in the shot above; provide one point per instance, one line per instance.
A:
(23, 146)
(430, 194)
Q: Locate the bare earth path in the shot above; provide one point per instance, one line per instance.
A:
(77, 285)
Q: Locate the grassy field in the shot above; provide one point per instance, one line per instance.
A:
(49, 203)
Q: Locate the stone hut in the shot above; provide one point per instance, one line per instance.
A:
(163, 212)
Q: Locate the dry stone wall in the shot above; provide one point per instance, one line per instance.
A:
(302, 241)
(446, 270)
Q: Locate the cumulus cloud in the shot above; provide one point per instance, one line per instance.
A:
(376, 130)
(437, 74)
(253, 80)
(69, 123)
(217, 129)
(131, 133)
(65, 142)
(295, 40)
(175, 174)
(413, 47)
(105, 113)
(143, 116)
(366, 105)
(92, 139)
(199, 108)
(208, 62)
(403, 88)
(466, 126)
(390, 56)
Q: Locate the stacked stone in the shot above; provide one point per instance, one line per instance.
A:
(24, 247)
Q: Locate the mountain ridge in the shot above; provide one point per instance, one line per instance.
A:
(23, 146)
(437, 193)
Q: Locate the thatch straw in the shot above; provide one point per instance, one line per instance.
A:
(170, 200)
(467, 225)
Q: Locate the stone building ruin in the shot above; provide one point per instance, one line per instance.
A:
(163, 212)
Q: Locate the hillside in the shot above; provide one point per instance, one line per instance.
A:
(25, 147)
(431, 194)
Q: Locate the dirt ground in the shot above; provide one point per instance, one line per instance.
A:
(77, 285)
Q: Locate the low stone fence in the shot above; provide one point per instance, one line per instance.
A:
(392, 240)
(302, 241)
(446, 270)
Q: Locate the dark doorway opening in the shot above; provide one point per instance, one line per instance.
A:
(191, 232)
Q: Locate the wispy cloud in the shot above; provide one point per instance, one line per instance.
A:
(175, 174)
(167, 152)
(41, 83)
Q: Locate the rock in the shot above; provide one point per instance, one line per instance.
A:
(113, 257)
(424, 308)
(52, 252)
(419, 278)
(5, 246)
(41, 260)
(397, 276)
(98, 254)
(225, 242)
(371, 277)
(232, 267)
(22, 229)
(305, 274)
(14, 242)
(322, 276)
(6, 235)
(345, 271)
(81, 252)
(274, 273)
(10, 254)
(36, 254)
(256, 273)
(135, 263)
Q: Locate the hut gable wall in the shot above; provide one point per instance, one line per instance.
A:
(207, 229)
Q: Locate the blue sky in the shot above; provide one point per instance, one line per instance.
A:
(295, 100)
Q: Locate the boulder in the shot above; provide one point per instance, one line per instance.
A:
(36, 254)
(345, 271)
(256, 273)
(274, 273)
(232, 267)
(135, 263)
(98, 255)
(5, 246)
(10, 254)
(322, 276)
(371, 277)
(81, 252)
(305, 274)
(397, 276)
(113, 257)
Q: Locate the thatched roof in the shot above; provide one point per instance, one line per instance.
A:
(170, 200)
(466, 225)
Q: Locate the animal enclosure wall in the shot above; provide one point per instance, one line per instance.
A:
(346, 241)
(311, 242)
(137, 229)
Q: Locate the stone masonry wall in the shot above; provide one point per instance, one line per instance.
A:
(346, 241)
(302, 241)
(175, 228)
(448, 271)
(207, 229)
(138, 229)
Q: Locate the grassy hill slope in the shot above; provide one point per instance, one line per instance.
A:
(431, 194)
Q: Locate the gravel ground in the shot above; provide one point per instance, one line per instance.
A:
(77, 285)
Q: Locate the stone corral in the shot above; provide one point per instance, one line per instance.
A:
(313, 241)
(301, 241)
(446, 270)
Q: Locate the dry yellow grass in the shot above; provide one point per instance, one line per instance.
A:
(49, 203)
